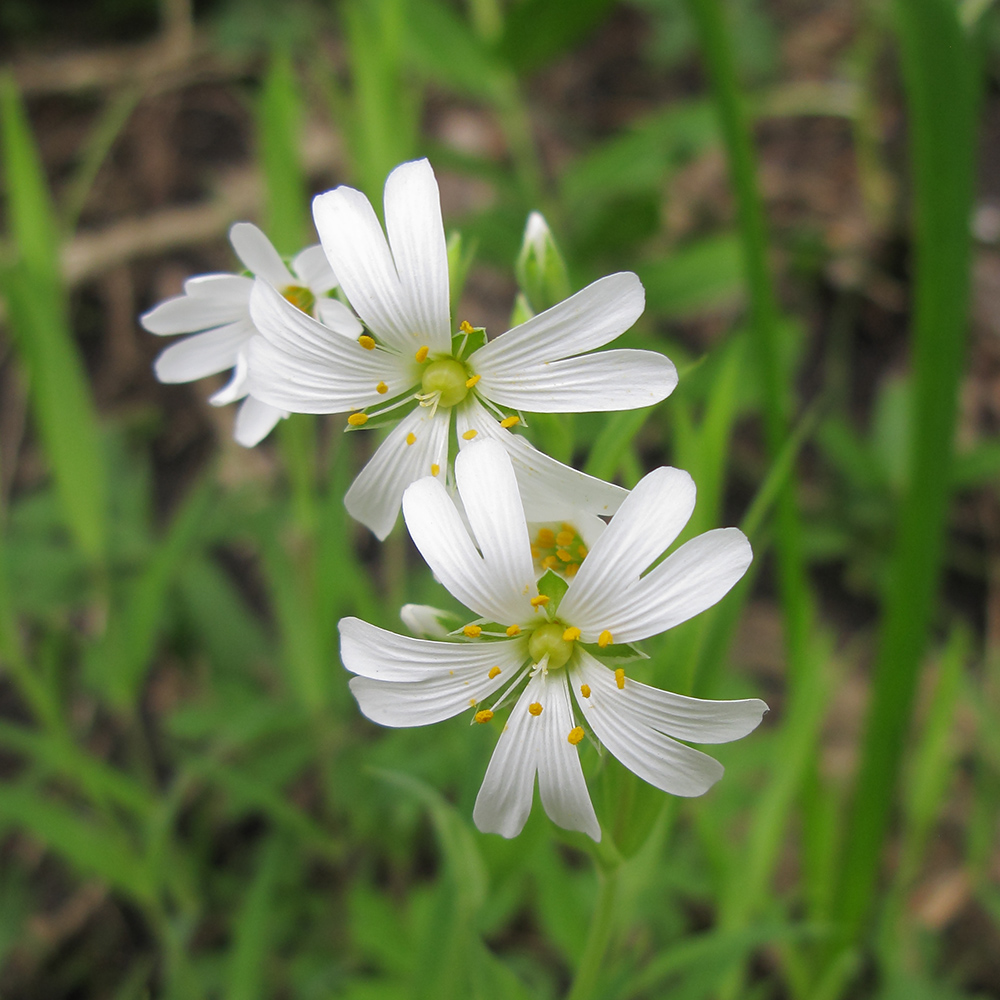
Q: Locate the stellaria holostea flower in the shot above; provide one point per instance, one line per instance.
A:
(215, 308)
(557, 644)
(408, 355)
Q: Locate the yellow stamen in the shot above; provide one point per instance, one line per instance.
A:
(484, 716)
(571, 569)
(585, 690)
(381, 388)
(368, 343)
(571, 633)
(473, 631)
(546, 538)
(470, 434)
(550, 562)
(466, 327)
(534, 552)
(582, 550)
(604, 639)
(564, 555)
(510, 421)
(470, 382)
(421, 355)
(435, 468)
(535, 708)
(539, 601)
(357, 419)
(472, 701)
(565, 537)
(494, 672)
(620, 678)
(513, 630)
(575, 735)
(411, 438)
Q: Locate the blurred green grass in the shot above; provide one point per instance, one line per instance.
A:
(178, 728)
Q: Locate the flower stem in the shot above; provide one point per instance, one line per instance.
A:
(598, 935)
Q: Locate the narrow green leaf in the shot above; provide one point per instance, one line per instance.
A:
(537, 32)
(707, 274)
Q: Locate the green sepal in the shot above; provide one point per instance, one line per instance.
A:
(552, 586)
(521, 312)
(617, 653)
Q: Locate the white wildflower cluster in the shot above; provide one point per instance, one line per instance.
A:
(553, 564)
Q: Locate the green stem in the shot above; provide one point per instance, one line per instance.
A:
(598, 936)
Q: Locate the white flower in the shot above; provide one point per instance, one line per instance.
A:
(558, 644)
(216, 309)
(400, 290)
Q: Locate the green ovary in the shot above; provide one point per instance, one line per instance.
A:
(548, 640)
(447, 378)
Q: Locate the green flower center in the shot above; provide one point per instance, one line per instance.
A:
(300, 297)
(447, 378)
(547, 640)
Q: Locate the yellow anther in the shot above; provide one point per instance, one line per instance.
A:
(513, 630)
(435, 468)
(572, 569)
(546, 538)
(539, 601)
(484, 716)
(620, 678)
(466, 327)
(550, 562)
(472, 701)
(510, 421)
(575, 735)
(381, 388)
(357, 419)
(421, 355)
(368, 343)
(582, 551)
(473, 631)
(565, 537)
(494, 672)
(470, 382)
(585, 690)
(564, 555)
(411, 438)
(604, 639)
(534, 552)
(535, 708)
(470, 434)
(571, 634)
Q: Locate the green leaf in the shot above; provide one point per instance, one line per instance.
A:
(615, 439)
(461, 254)
(552, 586)
(707, 274)
(537, 32)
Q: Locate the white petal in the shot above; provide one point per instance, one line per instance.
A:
(647, 522)
(254, 421)
(376, 493)
(428, 622)
(303, 367)
(438, 531)
(258, 254)
(410, 682)
(488, 488)
(550, 491)
(694, 719)
(699, 574)
(236, 387)
(313, 269)
(203, 354)
(504, 801)
(610, 380)
(335, 315)
(189, 313)
(655, 758)
(561, 784)
(591, 318)
(419, 249)
(232, 288)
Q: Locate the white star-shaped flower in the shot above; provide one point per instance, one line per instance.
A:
(216, 309)
(408, 354)
(557, 644)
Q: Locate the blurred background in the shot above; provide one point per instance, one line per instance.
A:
(193, 807)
